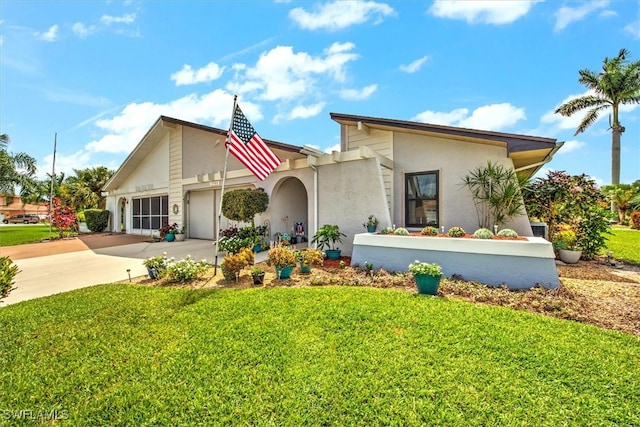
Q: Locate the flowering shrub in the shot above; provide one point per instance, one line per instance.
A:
(419, 267)
(429, 231)
(310, 257)
(186, 270)
(507, 232)
(168, 229)
(483, 233)
(281, 256)
(157, 264)
(63, 218)
(234, 263)
(456, 232)
(401, 231)
(8, 272)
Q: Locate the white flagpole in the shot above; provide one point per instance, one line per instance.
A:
(224, 178)
(53, 176)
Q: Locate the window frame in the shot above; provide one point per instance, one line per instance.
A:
(408, 200)
(147, 212)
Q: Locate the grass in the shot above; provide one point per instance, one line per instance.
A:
(139, 355)
(11, 235)
(625, 243)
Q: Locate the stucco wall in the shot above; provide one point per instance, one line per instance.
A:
(348, 193)
(454, 160)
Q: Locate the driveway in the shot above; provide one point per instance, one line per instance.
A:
(62, 265)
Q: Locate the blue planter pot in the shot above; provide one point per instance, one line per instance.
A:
(170, 237)
(427, 284)
(153, 274)
(306, 269)
(333, 253)
(371, 228)
(284, 273)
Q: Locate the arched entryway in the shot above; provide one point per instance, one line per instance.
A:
(288, 206)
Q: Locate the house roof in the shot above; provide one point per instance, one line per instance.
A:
(527, 152)
(155, 134)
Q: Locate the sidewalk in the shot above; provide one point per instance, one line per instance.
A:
(62, 265)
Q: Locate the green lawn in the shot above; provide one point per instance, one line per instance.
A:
(11, 235)
(625, 244)
(139, 355)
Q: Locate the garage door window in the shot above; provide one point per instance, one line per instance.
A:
(149, 213)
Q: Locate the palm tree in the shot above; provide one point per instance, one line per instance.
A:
(15, 169)
(618, 83)
(621, 195)
(84, 190)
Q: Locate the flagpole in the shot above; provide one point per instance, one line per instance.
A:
(224, 178)
(53, 176)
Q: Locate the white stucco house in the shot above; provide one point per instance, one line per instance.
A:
(405, 173)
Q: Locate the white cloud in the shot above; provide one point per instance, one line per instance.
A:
(187, 76)
(484, 12)
(301, 112)
(633, 29)
(81, 30)
(570, 146)
(127, 18)
(124, 131)
(494, 117)
(567, 15)
(358, 95)
(414, 66)
(282, 74)
(50, 36)
(337, 15)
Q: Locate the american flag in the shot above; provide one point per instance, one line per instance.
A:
(246, 145)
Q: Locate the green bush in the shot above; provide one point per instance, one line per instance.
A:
(401, 231)
(483, 233)
(507, 232)
(185, 270)
(8, 272)
(456, 232)
(97, 219)
(429, 231)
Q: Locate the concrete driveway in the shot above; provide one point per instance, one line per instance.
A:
(63, 265)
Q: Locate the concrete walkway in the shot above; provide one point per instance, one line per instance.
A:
(60, 266)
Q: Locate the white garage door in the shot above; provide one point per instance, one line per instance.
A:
(201, 215)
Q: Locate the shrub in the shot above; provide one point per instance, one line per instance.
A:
(186, 270)
(565, 239)
(483, 233)
(63, 218)
(97, 219)
(386, 230)
(507, 232)
(8, 272)
(244, 204)
(456, 232)
(401, 231)
(234, 263)
(429, 231)
(419, 267)
(635, 220)
(157, 264)
(310, 256)
(281, 256)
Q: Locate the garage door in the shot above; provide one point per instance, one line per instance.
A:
(201, 215)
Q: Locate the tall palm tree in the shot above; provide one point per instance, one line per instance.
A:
(618, 83)
(84, 190)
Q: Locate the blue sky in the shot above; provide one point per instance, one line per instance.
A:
(99, 73)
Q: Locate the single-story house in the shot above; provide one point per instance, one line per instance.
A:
(175, 175)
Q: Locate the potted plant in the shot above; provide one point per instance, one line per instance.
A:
(309, 257)
(234, 263)
(327, 236)
(427, 276)
(565, 242)
(156, 266)
(168, 231)
(283, 259)
(257, 274)
(180, 236)
(372, 224)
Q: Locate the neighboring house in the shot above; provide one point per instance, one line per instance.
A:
(405, 173)
(12, 205)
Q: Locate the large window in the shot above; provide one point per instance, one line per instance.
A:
(421, 199)
(149, 213)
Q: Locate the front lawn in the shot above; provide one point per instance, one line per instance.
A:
(139, 355)
(11, 235)
(625, 244)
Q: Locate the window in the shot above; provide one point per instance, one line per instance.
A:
(149, 213)
(421, 199)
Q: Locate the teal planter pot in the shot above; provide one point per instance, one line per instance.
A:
(427, 284)
(371, 228)
(306, 269)
(284, 273)
(170, 237)
(333, 253)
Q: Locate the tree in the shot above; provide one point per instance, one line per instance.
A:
(244, 204)
(618, 83)
(16, 170)
(621, 195)
(84, 190)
